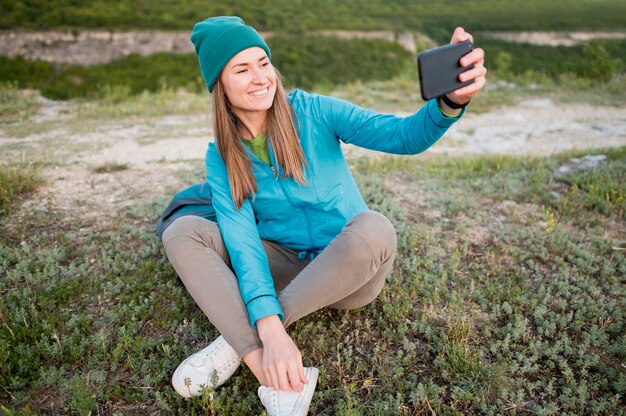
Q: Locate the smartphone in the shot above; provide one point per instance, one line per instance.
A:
(439, 69)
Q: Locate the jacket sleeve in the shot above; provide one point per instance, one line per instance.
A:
(385, 132)
(241, 238)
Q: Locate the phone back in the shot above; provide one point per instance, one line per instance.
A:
(439, 69)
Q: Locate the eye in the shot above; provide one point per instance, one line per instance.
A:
(241, 71)
(265, 64)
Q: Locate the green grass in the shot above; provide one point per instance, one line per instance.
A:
(304, 60)
(595, 60)
(15, 183)
(312, 62)
(528, 318)
(319, 14)
(16, 105)
(110, 167)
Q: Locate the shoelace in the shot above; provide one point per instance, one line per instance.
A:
(272, 403)
(225, 363)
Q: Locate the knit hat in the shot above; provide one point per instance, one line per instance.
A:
(217, 39)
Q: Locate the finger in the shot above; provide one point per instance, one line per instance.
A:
(469, 91)
(473, 73)
(476, 57)
(457, 36)
(460, 35)
(294, 378)
(268, 378)
(301, 371)
(283, 379)
(273, 379)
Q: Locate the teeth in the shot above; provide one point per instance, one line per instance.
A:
(259, 92)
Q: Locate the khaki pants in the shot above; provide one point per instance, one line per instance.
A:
(349, 273)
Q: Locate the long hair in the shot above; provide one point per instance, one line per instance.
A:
(281, 133)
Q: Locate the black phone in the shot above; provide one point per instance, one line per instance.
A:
(439, 69)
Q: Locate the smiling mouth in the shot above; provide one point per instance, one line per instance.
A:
(259, 92)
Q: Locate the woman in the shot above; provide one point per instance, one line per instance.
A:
(293, 234)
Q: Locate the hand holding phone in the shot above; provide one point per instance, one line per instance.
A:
(439, 69)
(476, 58)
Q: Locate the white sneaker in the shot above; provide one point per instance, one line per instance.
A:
(290, 403)
(209, 367)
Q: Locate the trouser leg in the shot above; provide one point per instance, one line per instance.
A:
(348, 273)
(195, 248)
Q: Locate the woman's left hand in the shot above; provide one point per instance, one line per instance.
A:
(476, 57)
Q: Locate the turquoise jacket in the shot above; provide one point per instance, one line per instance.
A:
(307, 218)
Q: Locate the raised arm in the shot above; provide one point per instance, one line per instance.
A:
(385, 132)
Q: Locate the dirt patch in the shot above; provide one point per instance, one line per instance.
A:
(99, 47)
(536, 127)
(477, 235)
(155, 149)
(91, 47)
(554, 38)
(412, 196)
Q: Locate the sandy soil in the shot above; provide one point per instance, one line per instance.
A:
(155, 151)
(98, 47)
(555, 38)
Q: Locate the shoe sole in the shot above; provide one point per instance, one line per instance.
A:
(181, 389)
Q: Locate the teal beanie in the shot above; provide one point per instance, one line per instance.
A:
(217, 39)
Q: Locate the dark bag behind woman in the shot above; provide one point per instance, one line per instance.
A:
(195, 200)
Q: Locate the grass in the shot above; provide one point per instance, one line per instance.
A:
(110, 167)
(305, 60)
(16, 105)
(298, 15)
(526, 319)
(401, 93)
(16, 182)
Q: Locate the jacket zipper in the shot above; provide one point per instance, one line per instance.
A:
(306, 217)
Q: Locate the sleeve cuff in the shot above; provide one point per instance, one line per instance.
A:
(437, 116)
(263, 306)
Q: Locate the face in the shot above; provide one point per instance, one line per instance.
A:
(249, 81)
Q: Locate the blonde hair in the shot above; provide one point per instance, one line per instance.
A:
(281, 133)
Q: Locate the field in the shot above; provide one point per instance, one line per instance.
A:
(305, 15)
(507, 296)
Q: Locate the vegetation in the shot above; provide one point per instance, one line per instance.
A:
(305, 61)
(425, 16)
(506, 298)
(16, 105)
(310, 62)
(110, 167)
(596, 60)
(130, 75)
(14, 183)
(507, 295)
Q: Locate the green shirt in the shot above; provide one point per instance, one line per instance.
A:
(258, 146)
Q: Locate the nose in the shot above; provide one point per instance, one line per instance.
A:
(258, 77)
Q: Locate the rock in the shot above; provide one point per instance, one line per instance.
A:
(582, 163)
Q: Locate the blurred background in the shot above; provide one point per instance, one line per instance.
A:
(68, 49)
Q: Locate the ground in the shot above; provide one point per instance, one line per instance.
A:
(96, 165)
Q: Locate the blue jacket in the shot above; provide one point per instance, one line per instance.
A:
(307, 218)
